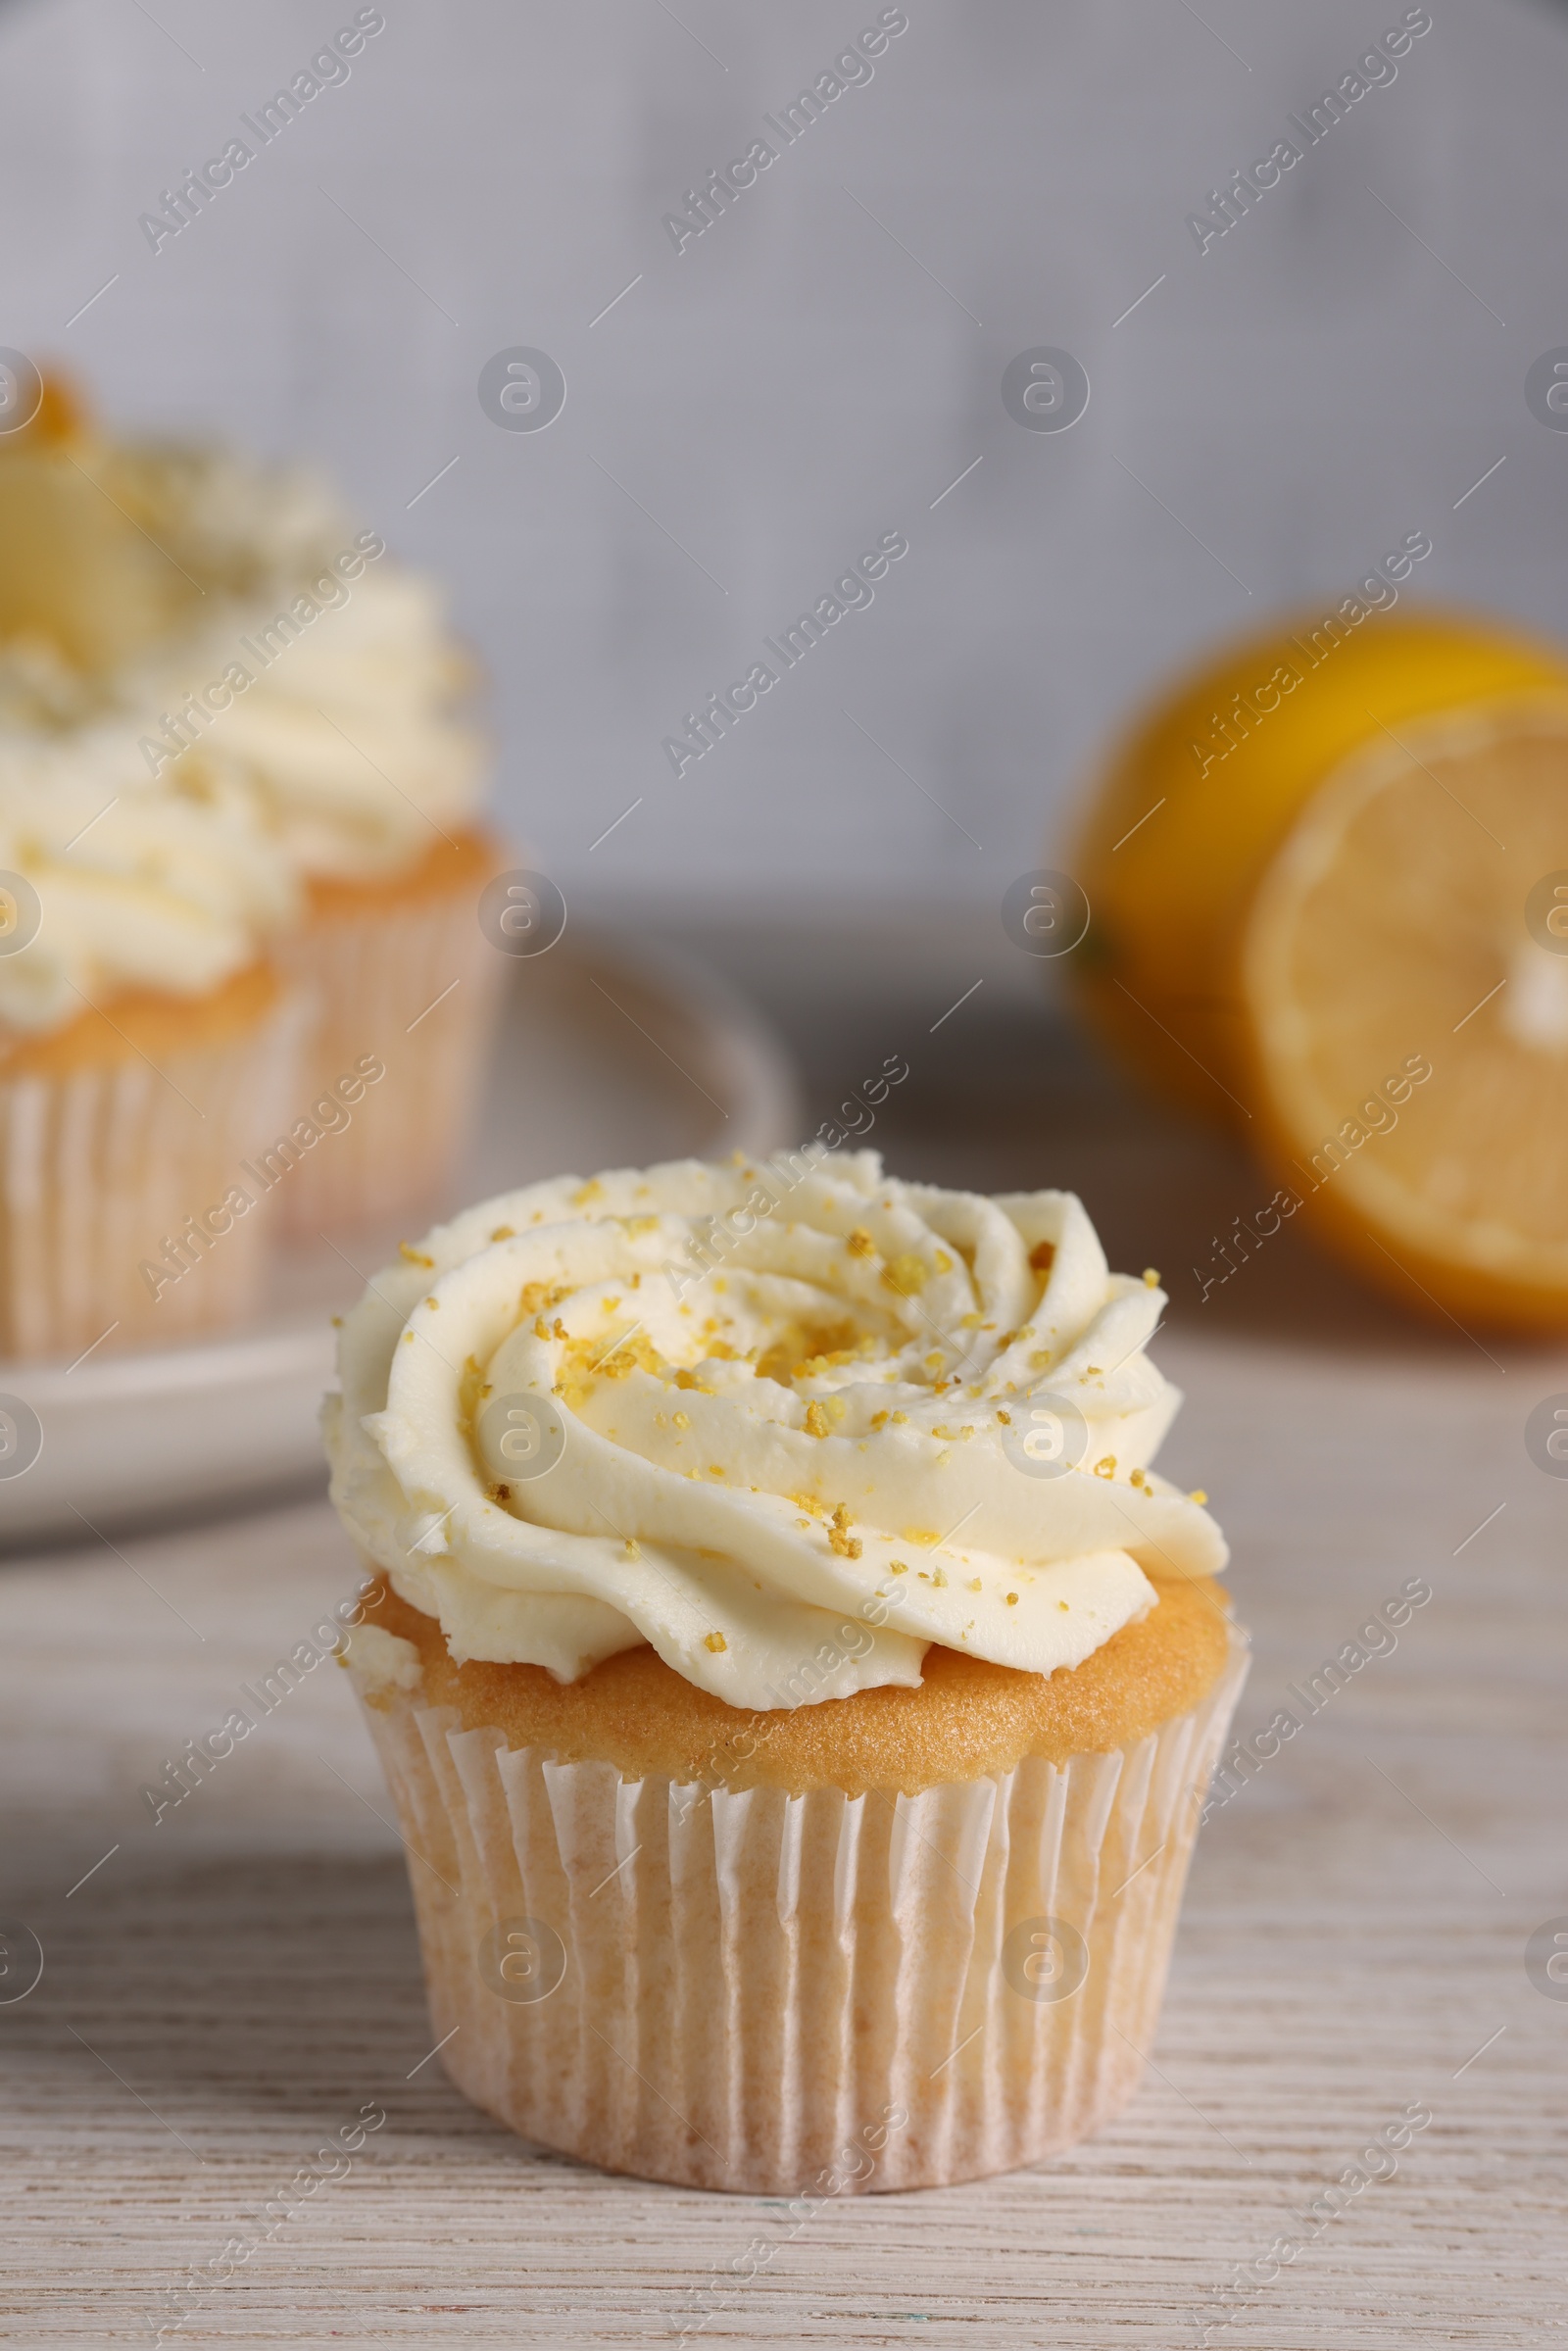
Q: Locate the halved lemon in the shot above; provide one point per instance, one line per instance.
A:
(1404, 979)
(1326, 910)
(1195, 801)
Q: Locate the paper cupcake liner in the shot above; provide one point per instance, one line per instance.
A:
(770, 1993)
(412, 985)
(102, 1169)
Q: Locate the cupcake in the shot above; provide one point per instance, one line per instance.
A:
(228, 607)
(147, 1045)
(797, 1690)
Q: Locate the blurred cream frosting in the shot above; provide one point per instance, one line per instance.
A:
(110, 880)
(210, 644)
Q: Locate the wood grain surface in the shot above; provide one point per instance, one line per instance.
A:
(224, 1990)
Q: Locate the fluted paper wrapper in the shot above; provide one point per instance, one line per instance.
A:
(416, 985)
(755, 1991)
(100, 1167)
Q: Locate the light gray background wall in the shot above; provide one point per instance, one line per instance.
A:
(758, 407)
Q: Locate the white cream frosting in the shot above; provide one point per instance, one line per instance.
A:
(287, 646)
(787, 1474)
(172, 884)
(345, 728)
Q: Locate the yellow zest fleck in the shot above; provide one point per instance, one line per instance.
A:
(1013, 1599)
(1198, 1496)
(966, 1431)
(681, 1420)
(975, 1585)
(944, 1261)
(907, 1275)
(632, 1550)
(634, 1225)
(901, 1420)
(415, 1256)
(816, 1420)
(971, 1322)
(1106, 1466)
(1063, 1603)
(1042, 1256)
(714, 1641)
(938, 1576)
(840, 1540)
(689, 1379)
(1039, 1359)
(503, 1232)
(940, 1431)
(935, 1359)
(1150, 1277)
(407, 1338)
(927, 1537)
(715, 1470)
(860, 1243)
(879, 1420)
(432, 1303)
(592, 1190)
(337, 1322)
(1135, 1477)
(898, 1567)
(1005, 1418)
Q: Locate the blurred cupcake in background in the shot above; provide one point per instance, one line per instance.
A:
(234, 616)
(147, 1043)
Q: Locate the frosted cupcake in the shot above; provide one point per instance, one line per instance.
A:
(796, 1690)
(147, 1045)
(219, 603)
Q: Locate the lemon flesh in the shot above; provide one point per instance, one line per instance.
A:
(1403, 985)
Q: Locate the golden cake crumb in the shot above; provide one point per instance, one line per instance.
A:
(967, 1720)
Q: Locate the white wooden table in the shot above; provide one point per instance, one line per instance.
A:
(225, 1988)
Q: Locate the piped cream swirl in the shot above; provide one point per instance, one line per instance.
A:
(790, 1474)
(172, 886)
(215, 602)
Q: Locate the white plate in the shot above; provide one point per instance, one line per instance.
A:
(607, 1056)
